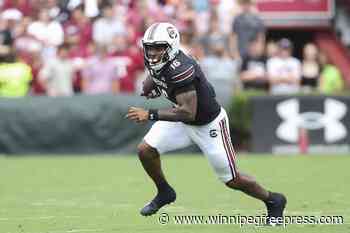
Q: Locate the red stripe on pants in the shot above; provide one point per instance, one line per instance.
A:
(226, 146)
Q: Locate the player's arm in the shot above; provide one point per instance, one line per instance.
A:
(181, 79)
(184, 111)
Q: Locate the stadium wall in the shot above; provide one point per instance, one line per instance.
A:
(65, 125)
(97, 124)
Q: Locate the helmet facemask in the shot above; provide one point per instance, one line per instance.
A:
(156, 55)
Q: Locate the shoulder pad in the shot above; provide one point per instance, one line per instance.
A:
(179, 72)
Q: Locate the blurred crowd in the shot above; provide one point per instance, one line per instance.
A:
(63, 47)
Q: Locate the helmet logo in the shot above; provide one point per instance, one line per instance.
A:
(172, 32)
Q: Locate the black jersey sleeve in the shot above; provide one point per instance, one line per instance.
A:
(182, 76)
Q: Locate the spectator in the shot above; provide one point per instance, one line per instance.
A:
(284, 71)
(15, 77)
(187, 42)
(184, 16)
(79, 57)
(78, 29)
(120, 26)
(272, 49)
(100, 74)
(36, 64)
(78, 34)
(49, 32)
(91, 9)
(24, 6)
(331, 80)
(253, 71)
(29, 50)
(214, 35)
(202, 19)
(57, 74)
(226, 10)
(107, 27)
(247, 26)
(12, 18)
(221, 71)
(6, 39)
(25, 43)
(310, 67)
(129, 63)
(135, 20)
(56, 11)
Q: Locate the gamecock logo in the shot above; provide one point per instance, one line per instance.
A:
(172, 33)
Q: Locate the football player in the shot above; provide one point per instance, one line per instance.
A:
(195, 118)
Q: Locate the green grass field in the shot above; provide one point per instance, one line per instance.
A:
(104, 194)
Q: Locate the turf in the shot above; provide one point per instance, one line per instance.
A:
(104, 193)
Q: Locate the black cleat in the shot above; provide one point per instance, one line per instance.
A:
(163, 198)
(275, 207)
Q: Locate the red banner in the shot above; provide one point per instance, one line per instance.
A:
(296, 8)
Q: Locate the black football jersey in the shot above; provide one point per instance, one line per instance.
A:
(183, 71)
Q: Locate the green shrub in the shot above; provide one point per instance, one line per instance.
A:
(240, 114)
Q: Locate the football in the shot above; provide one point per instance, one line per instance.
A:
(148, 86)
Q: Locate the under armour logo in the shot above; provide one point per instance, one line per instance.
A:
(334, 130)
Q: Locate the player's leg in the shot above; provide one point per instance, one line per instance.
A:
(150, 160)
(162, 137)
(214, 140)
(249, 186)
(275, 202)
